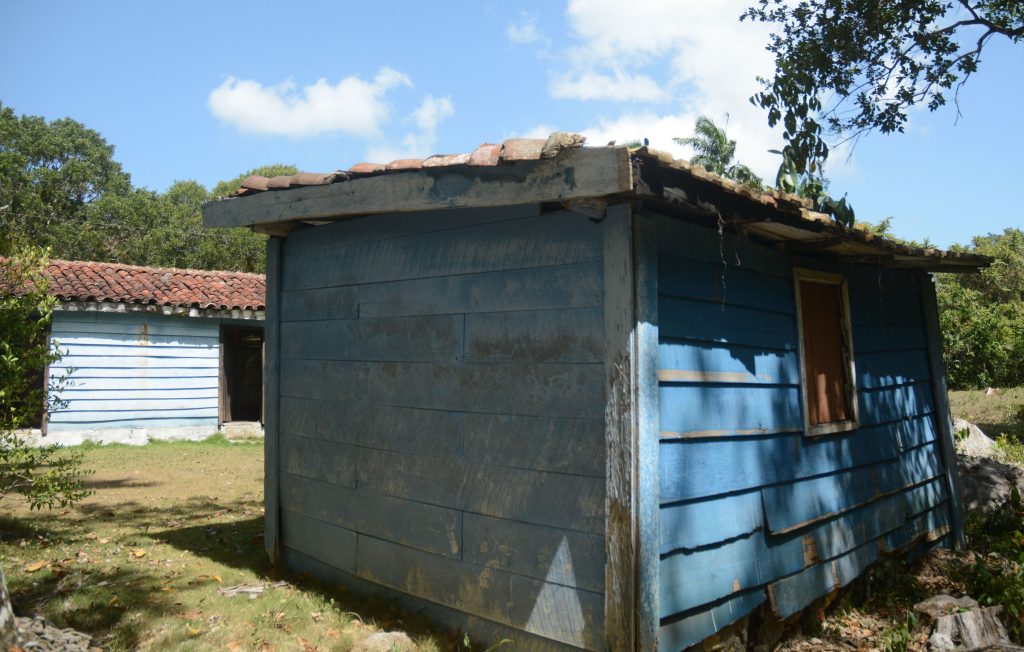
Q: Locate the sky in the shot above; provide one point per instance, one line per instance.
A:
(206, 91)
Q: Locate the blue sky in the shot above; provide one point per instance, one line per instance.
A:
(205, 91)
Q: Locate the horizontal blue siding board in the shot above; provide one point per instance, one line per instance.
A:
(791, 594)
(695, 524)
(850, 566)
(692, 578)
(104, 421)
(893, 403)
(880, 279)
(735, 362)
(799, 503)
(404, 339)
(890, 368)
(709, 321)
(551, 239)
(920, 464)
(717, 410)
(694, 468)
(680, 633)
(88, 363)
(686, 278)
(839, 535)
(925, 497)
(89, 416)
(701, 243)
(933, 520)
(182, 389)
(876, 338)
(544, 288)
(868, 306)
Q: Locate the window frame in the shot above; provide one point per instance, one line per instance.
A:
(849, 368)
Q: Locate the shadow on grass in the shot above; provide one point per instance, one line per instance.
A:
(239, 544)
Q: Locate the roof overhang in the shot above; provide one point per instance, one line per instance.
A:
(582, 178)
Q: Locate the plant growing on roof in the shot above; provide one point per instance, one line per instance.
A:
(715, 151)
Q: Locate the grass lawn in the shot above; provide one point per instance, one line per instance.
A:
(139, 563)
(1000, 413)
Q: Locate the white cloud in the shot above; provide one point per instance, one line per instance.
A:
(523, 30)
(416, 144)
(619, 87)
(432, 111)
(353, 105)
(696, 57)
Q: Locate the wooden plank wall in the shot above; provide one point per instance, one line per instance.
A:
(751, 509)
(442, 416)
(136, 370)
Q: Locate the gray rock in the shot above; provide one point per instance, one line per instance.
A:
(386, 642)
(986, 483)
(976, 444)
(968, 630)
(935, 607)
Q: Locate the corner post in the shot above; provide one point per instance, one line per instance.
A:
(645, 261)
(271, 399)
(944, 422)
(631, 483)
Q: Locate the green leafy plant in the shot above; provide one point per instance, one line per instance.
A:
(45, 475)
(997, 575)
(898, 637)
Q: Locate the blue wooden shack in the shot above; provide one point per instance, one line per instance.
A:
(153, 353)
(592, 398)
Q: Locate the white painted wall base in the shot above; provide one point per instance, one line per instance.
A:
(132, 436)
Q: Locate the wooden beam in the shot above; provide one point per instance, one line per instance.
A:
(645, 383)
(271, 403)
(805, 246)
(621, 533)
(574, 174)
(944, 421)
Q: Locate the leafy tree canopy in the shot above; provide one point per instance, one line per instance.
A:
(853, 66)
(61, 188)
(982, 315)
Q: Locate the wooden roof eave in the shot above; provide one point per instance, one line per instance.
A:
(783, 222)
(572, 176)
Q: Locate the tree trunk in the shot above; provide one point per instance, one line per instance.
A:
(6, 616)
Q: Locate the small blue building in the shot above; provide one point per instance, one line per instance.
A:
(592, 398)
(153, 353)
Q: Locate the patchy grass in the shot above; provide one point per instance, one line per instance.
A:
(139, 563)
(1001, 413)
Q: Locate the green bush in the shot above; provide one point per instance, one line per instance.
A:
(45, 475)
(982, 316)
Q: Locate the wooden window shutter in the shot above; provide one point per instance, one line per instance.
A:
(824, 352)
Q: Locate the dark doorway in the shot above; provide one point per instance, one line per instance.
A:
(241, 374)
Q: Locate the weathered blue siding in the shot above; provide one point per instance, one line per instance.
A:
(751, 508)
(136, 371)
(442, 417)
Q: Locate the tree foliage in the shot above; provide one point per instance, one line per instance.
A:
(853, 66)
(61, 188)
(715, 151)
(46, 475)
(982, 315)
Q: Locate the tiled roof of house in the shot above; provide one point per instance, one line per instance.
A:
(777, 217)
(164, 286)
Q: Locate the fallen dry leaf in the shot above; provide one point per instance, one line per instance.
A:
(234, 646)
(36, 565)
(219, 580)
(138, 553)
(194, 631)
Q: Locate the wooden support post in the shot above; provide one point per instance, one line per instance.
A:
(620, 432)
(271, 400)
(631, 427)
(645, 383)
(944, 422)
